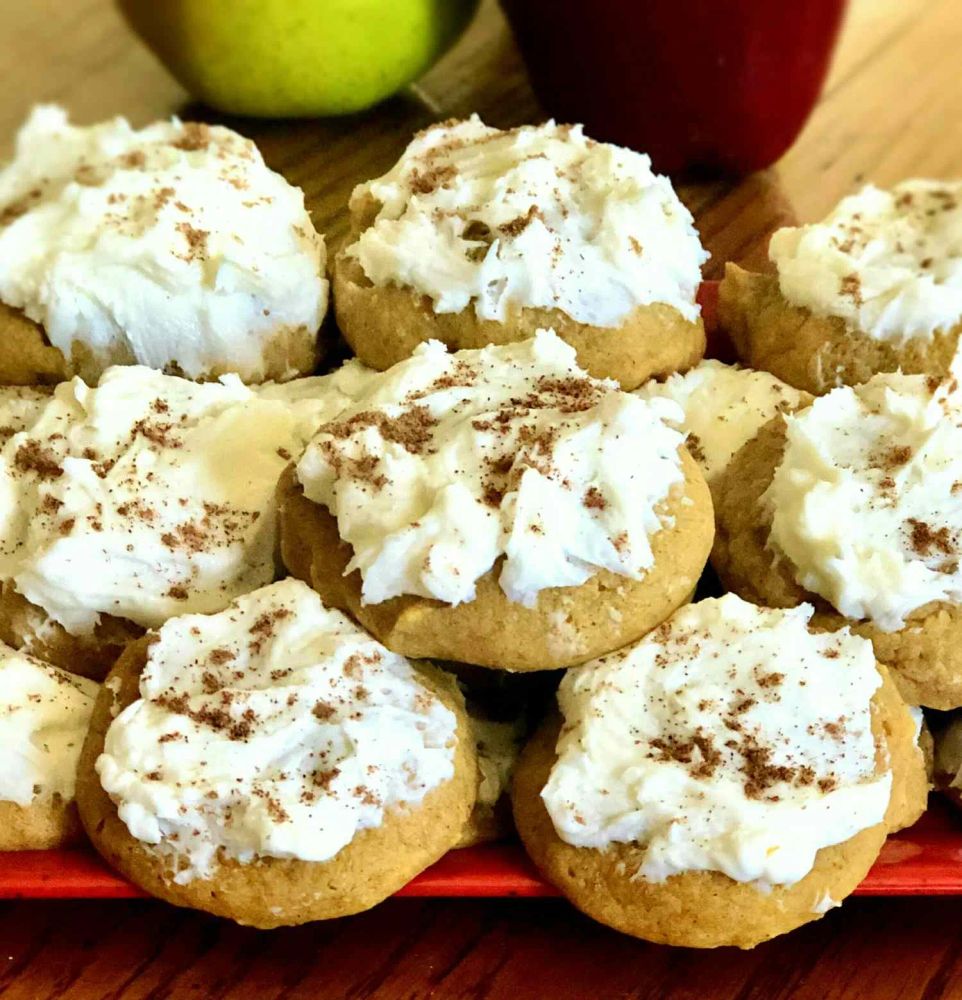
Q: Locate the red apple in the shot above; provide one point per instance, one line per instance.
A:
(722, 84)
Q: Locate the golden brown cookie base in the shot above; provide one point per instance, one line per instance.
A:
(40, 826)
(692, 909)
(28, 358)
(739, 554)
(927, 747)
(925, 655)
(487, 824)
(25, 626)
(272, 892)
(910, 769)
(816, 353)
(384, 326)
(567, 625)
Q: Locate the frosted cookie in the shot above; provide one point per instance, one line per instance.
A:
(173, 247)
(497, 507)
(273, 764)
(855, 504)
(44, 714)
(717, 782)
(724, 406)
(141, 498)
(876, 286)
(478, 236)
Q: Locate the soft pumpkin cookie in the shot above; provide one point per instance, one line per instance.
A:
(874, 287)
(852, 504)
(497, 507)
(137, 499)
(722, 781)
(173, 247)
(274, 764)
(479, 237)
(724, 406)
(44, 714)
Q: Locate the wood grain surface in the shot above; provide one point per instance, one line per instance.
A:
(891, 109)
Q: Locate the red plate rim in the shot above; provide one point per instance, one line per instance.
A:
(923, 861)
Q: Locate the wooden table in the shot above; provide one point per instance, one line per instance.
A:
(891, 109)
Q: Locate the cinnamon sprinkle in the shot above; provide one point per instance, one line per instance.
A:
(411, 429)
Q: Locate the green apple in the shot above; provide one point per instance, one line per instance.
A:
(290, 58)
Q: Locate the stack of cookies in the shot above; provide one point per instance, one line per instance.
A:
(281, 639)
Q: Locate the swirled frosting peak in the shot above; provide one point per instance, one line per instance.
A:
(44, 714)
(146, 495)
(889, 263)
(276, 728)
(447, 462)
(174, 247)
(538, 216)
(866, 503)
(732, 738)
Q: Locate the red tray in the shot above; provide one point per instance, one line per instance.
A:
(923, 861)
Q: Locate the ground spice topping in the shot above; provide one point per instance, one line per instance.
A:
(726, 740)
(222, 754)
(436, 460)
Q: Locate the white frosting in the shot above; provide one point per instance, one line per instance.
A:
(538, 216)
(725, 406)
(276, 728)
(889, 263)
(149, 495)
(918, 720)
(825, 903)
(730, 739)
(44, 714)
(20, 406)
(170, 246)
(446, 462)
(866, 503)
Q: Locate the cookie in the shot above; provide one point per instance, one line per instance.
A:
(138, 499)
(910, 750)
(27, 358)
(815, 353)
(497, 507)
(385, 324)
(872, 288)
(724, 406)
(480, 237)
(173, 247)
(567, 625)
(723, 781)
(850, 505)
(29, 628)
(274, 764)
(44, 714)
